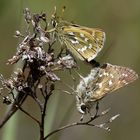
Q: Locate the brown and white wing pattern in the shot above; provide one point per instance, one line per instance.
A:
(111, 78)
(100, 82)
(83, 42)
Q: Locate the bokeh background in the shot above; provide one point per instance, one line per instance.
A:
(120, 19)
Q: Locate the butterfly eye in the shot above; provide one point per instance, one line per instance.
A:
(54, 23)
(88, 92)
(83, 108)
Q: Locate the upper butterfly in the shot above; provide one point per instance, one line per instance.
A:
(85, 43)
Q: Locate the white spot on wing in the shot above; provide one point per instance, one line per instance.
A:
(92, 57)
(84, 48)
(100, 75)
(79, 50)
(125, 75)
(110, 82)
(107, 89)
(93, 34)
(86, 39)
(74, 41)
(111, 75)
(100, 85)
(82, 35)
(97, 39)
(124, 82)
(71, 33)
(75, 38)
(105, 73)
(90, 46)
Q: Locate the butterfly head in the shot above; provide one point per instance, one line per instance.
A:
(54, 20)
(82, 105)
(57, 20)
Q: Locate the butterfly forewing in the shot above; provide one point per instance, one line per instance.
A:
(111, 78)
(84, 42)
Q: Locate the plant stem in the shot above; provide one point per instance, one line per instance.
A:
(43, 114)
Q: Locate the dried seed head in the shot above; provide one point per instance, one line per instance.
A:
(7, 100)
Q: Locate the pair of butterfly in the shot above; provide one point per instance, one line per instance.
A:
(86, 43)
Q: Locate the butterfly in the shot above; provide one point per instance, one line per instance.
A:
(83, 42)
(100, 82)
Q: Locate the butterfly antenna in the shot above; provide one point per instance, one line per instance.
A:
(62, 12)
(79, 74)
(54, 13)
(68, 86)
(65, 91)
(73, 78)
(82, 78)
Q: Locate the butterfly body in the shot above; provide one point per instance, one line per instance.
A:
(100, 82)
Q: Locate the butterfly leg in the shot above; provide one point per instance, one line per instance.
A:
(67, 92)
(70, 87)
(81, 118)
(73, 78)
(97, 108)
(96, 111)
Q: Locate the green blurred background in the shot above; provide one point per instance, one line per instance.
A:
(121, 21)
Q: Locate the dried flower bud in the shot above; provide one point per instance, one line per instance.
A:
(67, 61)
(20, 88)
(27, 15)
(114, 117)
(50, 64)
(40, 86)
(9, 84)
(7, 100)
(52, 76)
(17, 33)
(42, 68)
(13, 60)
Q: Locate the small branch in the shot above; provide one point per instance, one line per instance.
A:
(61, 128)
(35, 86)
(43, 114)
(87, 123)
(41, 90)
(68, 126)
(29, 115)
(39, 103)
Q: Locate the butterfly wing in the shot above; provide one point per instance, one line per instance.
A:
(83, 42)
(111, 78)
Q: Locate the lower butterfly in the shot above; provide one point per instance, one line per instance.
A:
(100, 82)
(83, 42)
